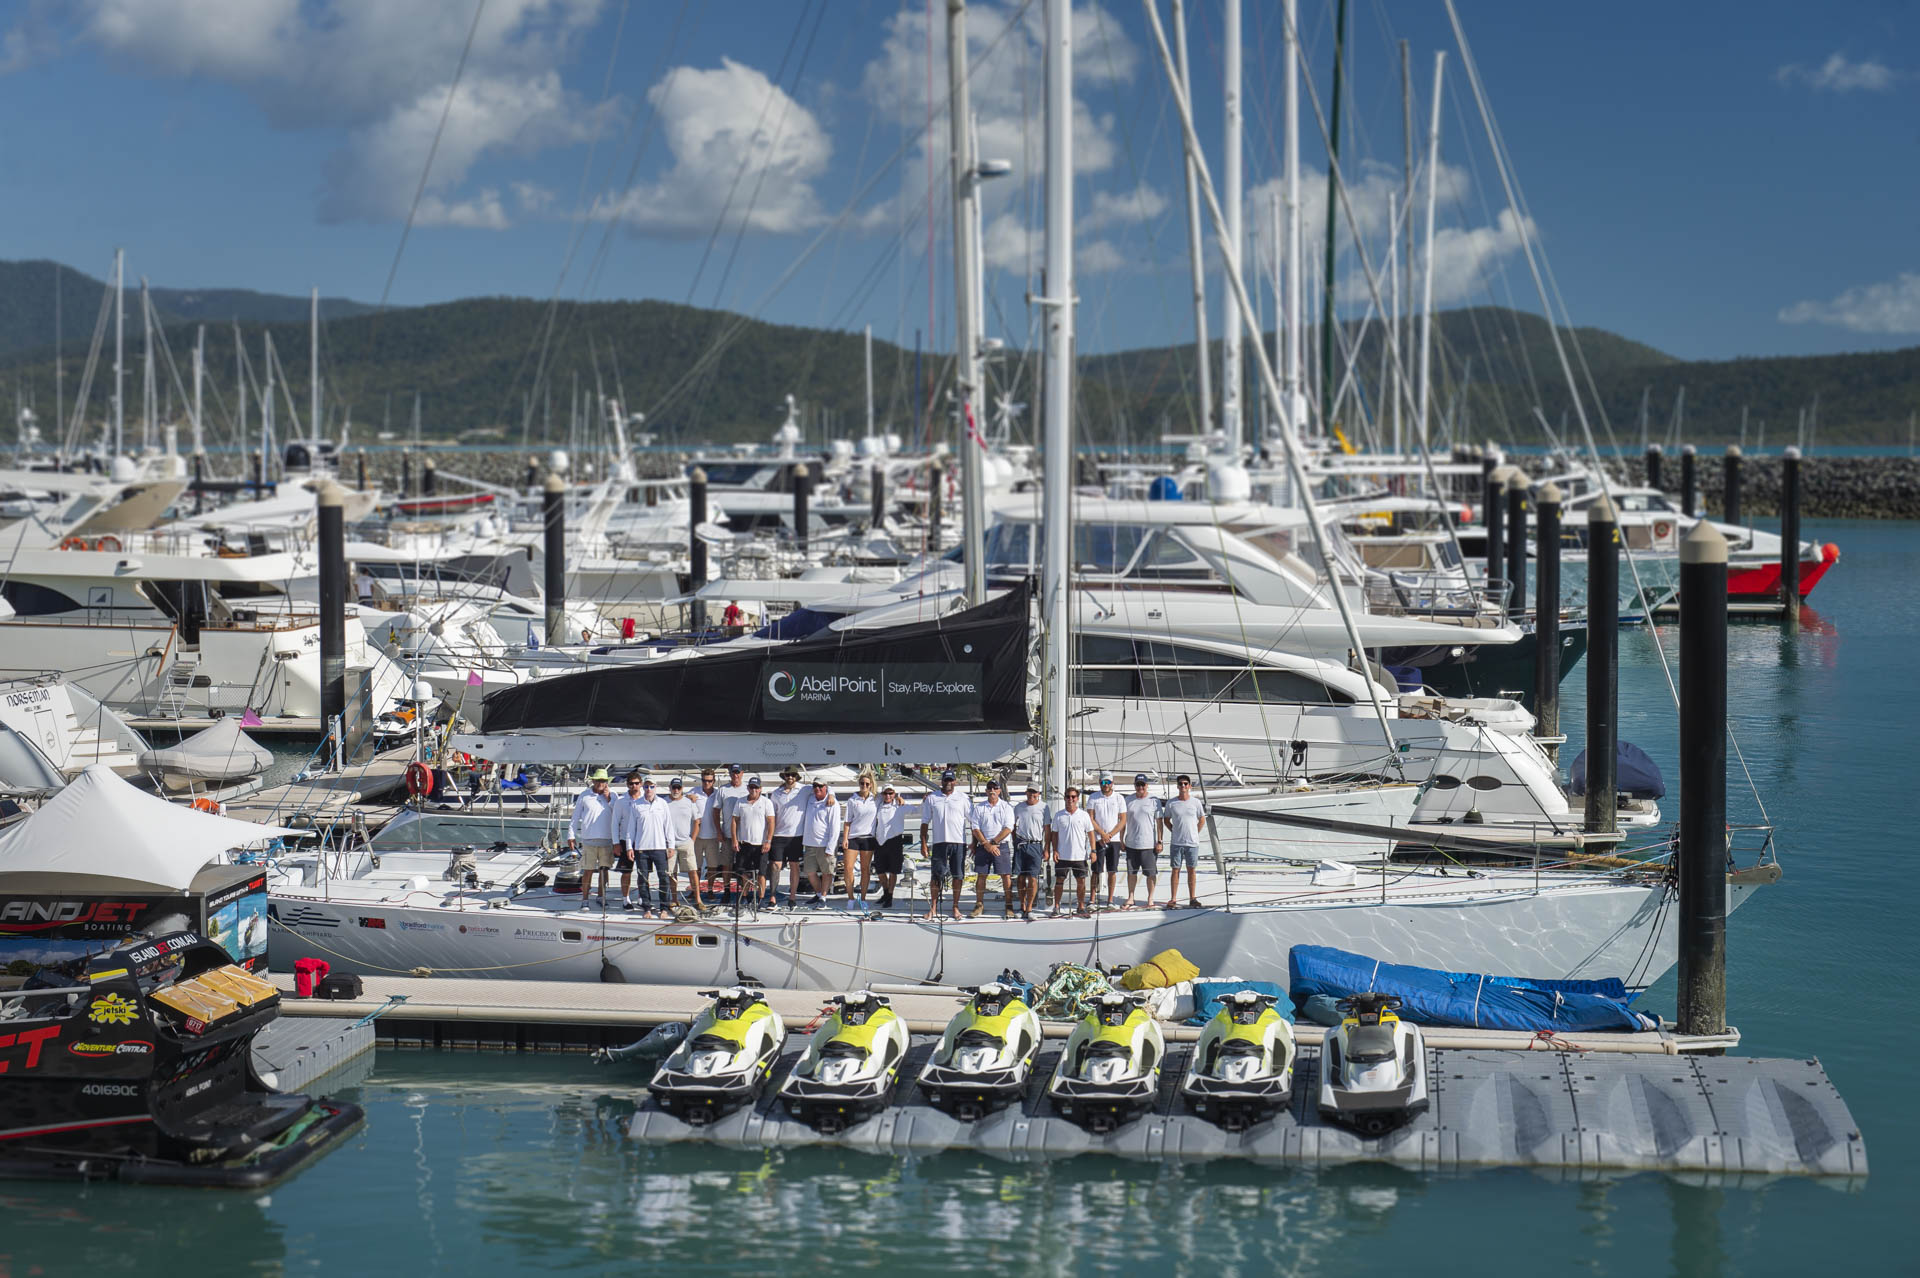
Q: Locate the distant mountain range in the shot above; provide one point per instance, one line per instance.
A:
(711, 375)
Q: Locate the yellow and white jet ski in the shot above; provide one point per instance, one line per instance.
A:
(985, 1058)
(852, 1064)
(1242, 1068)
(1109, 1072)
(725, 1059)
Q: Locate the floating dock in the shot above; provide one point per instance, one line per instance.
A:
(1577, 1112)
(295, 1054)
(329, 798)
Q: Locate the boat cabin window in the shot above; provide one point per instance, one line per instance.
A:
(1644, 502)
(1167, 558)
(1115, 666)
(1009, 545)
(32, 600)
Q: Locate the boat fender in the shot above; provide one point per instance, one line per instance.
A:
(419, 780)
(611, 975)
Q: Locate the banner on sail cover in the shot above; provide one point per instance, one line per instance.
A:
(905, 692)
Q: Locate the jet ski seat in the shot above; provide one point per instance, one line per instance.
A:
(1369, 1043)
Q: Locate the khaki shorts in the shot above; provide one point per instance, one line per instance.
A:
(715, 852)
(818, 861)
(683, 861)
(595, 855)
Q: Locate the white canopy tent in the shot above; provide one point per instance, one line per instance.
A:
(100, 834)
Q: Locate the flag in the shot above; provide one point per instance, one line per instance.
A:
(250, 719)
(473, 678)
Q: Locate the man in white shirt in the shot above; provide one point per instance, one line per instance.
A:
(990, 825)
(623, 805)
(1108, 811)
(1142, 838)
(686, 810)
(943, 816)
(789, 812)
(730, 795)
(649, 832)
(820, 838)
(752, 834)
(592, 833)
(710, 846)
(1029, 848)
(1183, 818)
(1070, 840)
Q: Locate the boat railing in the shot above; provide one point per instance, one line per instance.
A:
(1417, 595)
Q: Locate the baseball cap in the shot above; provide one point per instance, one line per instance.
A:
(820, 781)
(734, 767)
(647, 782)
(1032, 788)
(1139, 778)
(993, 785)
(676, 784)
(1106, 778)
(888, 789)
(948, 775)
(753, 783)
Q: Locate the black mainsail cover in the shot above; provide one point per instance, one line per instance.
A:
(965, 670)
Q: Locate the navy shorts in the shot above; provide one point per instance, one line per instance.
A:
(1143, 861)
(891, 857)
(948, 861)
(1107, 857)
(861, 843)
(1027, 858)
(786, 848)
(985, 862)
(1078, 869)
(1183, 854)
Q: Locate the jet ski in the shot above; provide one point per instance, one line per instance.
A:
(724, 1060)
(1373, 1068)
(1109, 1071)
(852, 1064)
(986, 1056)
(1242, 1068)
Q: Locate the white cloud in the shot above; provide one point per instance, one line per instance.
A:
(1837, 75)
(380, 70)
(1098, 257)
(743, 152)
(1889, 307)
(1123, 208)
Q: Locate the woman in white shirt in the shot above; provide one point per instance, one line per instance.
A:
(862, 810)
(890, 842)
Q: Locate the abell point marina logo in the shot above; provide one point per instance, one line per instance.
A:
(780, 686)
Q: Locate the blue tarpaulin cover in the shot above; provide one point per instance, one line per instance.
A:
(1467, 999)
(1634, 773)
(1207, 996)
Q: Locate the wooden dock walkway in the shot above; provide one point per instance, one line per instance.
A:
(330, 798)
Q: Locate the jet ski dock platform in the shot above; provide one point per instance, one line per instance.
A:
(1584, 1113)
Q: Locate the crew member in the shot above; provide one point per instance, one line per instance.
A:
(1070, 844)
(1142, 838)
(752, 836)
(730, 795)
(1108, 812)
(822, 830)
(890, 843)
(1029, 848)
(1182, 819)
(790, 813)
(862, 808)
(943, 815)
(684, 859)
(990, 824)
(591, 831)
(623, 846)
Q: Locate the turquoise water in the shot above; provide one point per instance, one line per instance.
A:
(493, 1163)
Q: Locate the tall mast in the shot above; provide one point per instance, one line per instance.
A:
(313, 366)
(1426, 299)
(199, 377)
(266, 415)
(1294, 361)
(869, 381)
(1196, 250)
(1390, 357)
(966, 341)
(1403, 325)
(1327, 386)
(1231, 378)
(147, 393)
(1057, 448)
(119, 351)
(240, 390)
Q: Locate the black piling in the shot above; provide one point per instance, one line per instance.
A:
(1730, 485)
(360, 457)
(333, 612)
(429, 478)
(406, 474)
(1496, 536)
(1702, 920)
(1546, 613)
(1689, 485)
(1603, 668)
(802, 493)
(554, 512)
(1517, 539)
(936, 484)
(533, 473)
(1654, 458)
(1790, 533)
(878, 484)
(696, 548)
(199, 476)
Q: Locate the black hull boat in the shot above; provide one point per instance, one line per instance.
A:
(144, 1074)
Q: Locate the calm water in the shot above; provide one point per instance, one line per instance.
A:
(490, 1164)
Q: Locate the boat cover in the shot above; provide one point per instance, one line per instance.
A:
(223, 752)
(1467, 999)
(1634, 773)
(966, 669)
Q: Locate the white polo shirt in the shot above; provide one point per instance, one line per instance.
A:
(1072, 830)
(945, 816)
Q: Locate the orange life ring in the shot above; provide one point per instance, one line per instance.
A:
(204, 804)
(1662, 530)
(108, 542)
(74, 543)
(419, 780)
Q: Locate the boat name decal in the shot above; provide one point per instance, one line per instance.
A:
(31, 1040)
(33, 696)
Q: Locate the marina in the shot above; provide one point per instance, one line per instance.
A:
(1108, 677)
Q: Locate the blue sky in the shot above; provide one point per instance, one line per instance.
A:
(1715, 182)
